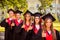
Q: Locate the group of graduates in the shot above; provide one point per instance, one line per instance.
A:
(30, 28)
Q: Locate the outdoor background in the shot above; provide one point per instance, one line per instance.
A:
(43, 6)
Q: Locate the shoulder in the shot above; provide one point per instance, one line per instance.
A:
(4, 20)
(57, 34)
(56, 31)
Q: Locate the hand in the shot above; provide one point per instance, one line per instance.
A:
(30, 28)
(23, 26)
(43, 34)
(6, 20)
(12, 24)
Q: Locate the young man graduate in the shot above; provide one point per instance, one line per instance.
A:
(19, 32)
(8, 24)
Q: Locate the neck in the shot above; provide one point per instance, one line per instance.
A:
(12, 17)
(48, 28)
(37, 24)
(18, 18)
(27, 22)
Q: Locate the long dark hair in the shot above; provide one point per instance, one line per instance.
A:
(38, 23)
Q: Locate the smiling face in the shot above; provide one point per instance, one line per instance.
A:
(18, 16)
(11, 13)
(37, 20)
(48, 22)
(28, 16)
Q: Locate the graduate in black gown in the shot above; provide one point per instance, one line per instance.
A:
(37, 28)
(8, 24)
(27, 25)
(48, 32)
(18, 31)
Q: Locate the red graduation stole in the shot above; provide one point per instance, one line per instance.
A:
(26, 27)
(48, 36)
(9, 21)
(35, 30)
(17, 23)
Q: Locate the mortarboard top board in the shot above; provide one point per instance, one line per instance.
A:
(28, 12)
(37, 14)
(32, 14)
(11, 10)
(18, 12)
(48, 16)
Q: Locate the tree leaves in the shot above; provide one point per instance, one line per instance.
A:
(20, 4)
(46, 3)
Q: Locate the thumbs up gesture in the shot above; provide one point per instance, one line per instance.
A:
(23, 26)
(12, 24)
(6, 20)
(43, 34)
(30, 28)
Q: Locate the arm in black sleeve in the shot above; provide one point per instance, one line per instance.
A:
(57, 35)
(18, 28)
(3, 23)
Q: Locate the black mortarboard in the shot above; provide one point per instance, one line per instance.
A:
(18, 12)
(37, 14)
(32, 14)
(48, 16)
(28, 12)
(11, 10)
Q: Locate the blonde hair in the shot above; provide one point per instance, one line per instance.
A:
(29, 20)
(51, 28)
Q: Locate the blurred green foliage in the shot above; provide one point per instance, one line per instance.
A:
(14, 4)
(45, 3)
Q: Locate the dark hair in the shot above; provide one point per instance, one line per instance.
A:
(11, 10)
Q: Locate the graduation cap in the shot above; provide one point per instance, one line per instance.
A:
(32, 14)
(11, 10)
(18, 12)
(48, 16)
(28, 12)
(37, 14)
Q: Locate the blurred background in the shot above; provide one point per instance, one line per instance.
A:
(43, 6)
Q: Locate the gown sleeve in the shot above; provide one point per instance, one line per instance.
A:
(57, 35)
(18, 28)
(3, 23)
(29, 35)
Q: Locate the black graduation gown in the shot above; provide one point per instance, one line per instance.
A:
(29, 35)
(37, 36)
(32, 36)
(57, 35)
(19, 33)
(8, 30)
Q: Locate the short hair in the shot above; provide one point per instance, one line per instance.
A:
(10, 10)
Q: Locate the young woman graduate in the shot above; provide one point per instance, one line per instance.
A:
(37, 28)
(8, 24)
(48, 32)
(27, 25)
